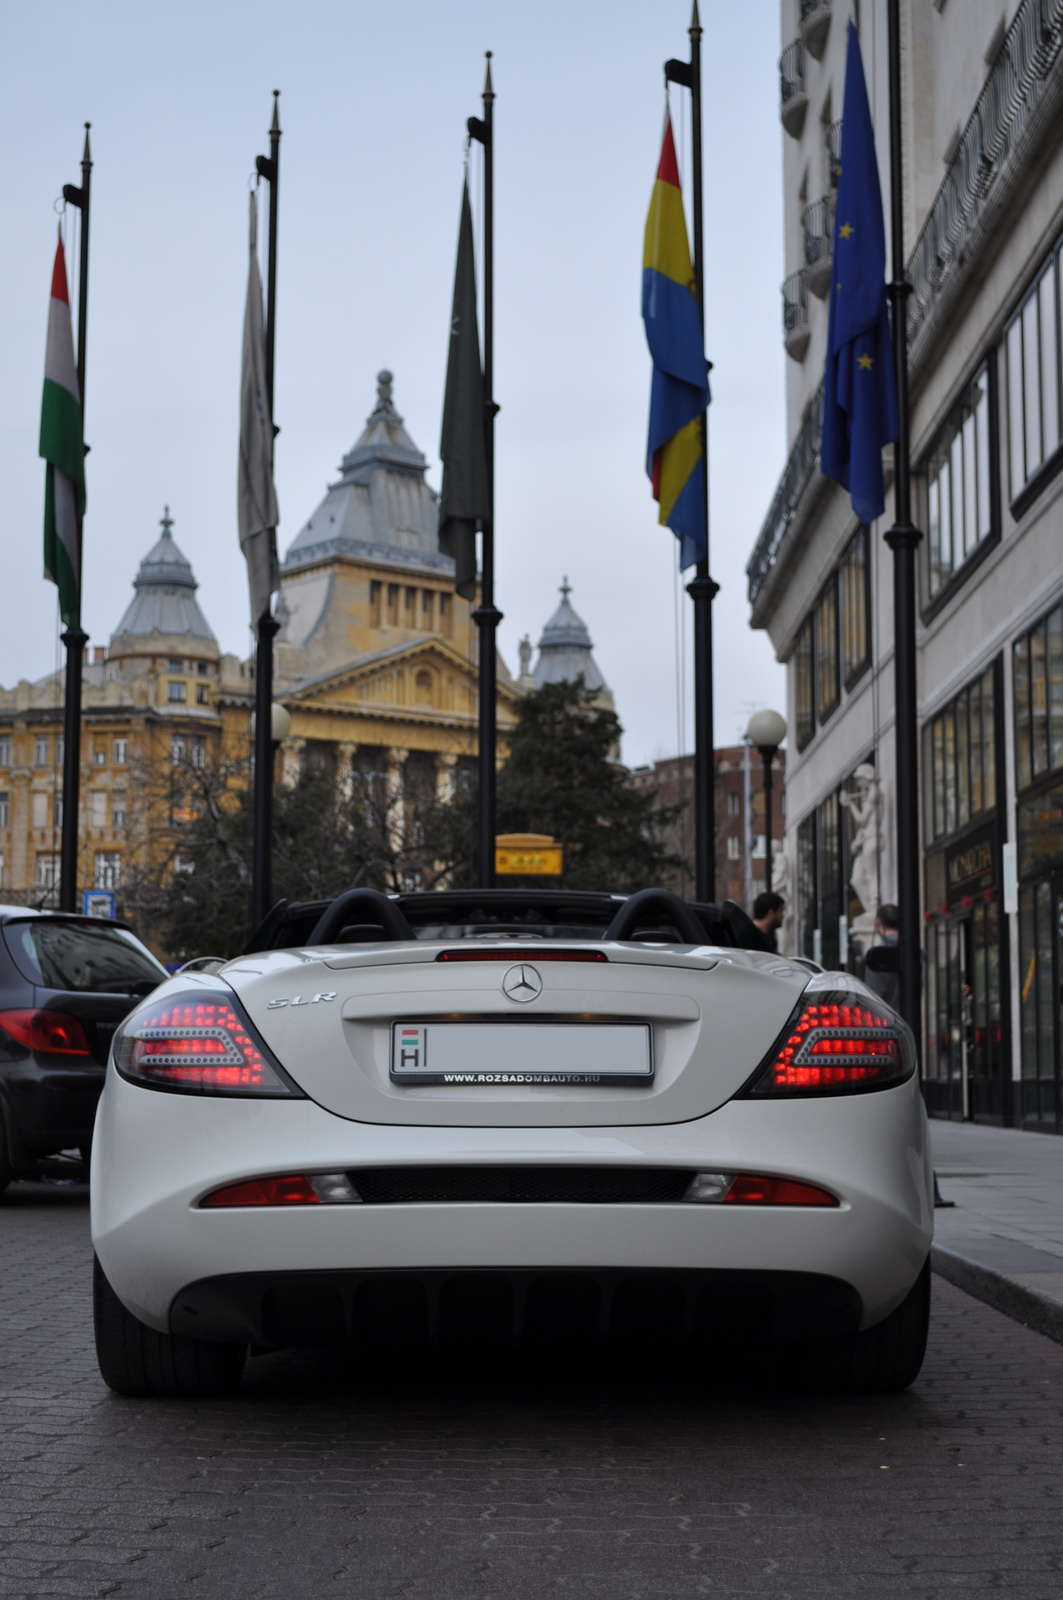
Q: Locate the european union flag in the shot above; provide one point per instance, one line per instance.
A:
(859, 397)
(680, 389)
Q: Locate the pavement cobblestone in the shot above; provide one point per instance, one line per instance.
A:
(486, 1481)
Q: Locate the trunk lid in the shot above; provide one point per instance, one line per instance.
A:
(328, 1016)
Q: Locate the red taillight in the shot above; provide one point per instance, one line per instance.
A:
(293, 1191)
(522, 955)
(837, 1043)
(51, 1032)
(197, 1044)
(747, 1190)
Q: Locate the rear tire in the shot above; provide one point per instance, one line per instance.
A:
(136, 1360)
(884, 1359)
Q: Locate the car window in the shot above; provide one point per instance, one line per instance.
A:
(82, 955)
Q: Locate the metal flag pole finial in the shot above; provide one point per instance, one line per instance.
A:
(695, 22)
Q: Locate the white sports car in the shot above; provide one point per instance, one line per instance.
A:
(510, 1119)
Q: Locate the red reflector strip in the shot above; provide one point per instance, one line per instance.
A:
(522, 955)
(292, 1191)
(749, 1190)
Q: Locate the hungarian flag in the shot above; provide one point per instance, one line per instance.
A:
(62, 447)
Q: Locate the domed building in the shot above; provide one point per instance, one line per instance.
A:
(150, 700)
(566, 654)
(376, 660)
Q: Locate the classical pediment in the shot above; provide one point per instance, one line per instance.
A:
(420, 679)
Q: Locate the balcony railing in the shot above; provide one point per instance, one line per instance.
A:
(793, 99)
(1007, 104)
(795, 327)
(798, 474)
(815, 24)
(817, 223)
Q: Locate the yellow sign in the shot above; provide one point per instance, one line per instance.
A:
(528, 855)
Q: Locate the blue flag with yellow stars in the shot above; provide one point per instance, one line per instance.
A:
(859, 396)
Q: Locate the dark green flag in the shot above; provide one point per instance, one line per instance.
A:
(464, 504)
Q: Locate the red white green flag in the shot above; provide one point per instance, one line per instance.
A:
(63, 449)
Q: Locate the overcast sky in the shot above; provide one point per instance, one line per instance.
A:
(373, 108)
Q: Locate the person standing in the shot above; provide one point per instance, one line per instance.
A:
(882, 965)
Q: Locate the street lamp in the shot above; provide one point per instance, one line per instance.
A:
(767, 730)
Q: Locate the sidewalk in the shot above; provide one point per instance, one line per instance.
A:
(1003, 1242)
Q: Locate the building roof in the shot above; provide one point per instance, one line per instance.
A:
(164, 597)
(565, 650)
(381, 506)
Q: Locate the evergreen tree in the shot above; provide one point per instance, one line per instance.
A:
(561, 777)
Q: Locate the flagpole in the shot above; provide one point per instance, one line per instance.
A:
(74, 637)
(903, 539)
(266, 625)
(487, 616)
(702, 589)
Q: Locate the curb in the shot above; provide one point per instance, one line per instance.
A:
(1040, 1312)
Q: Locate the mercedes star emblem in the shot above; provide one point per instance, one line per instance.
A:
(522, 983)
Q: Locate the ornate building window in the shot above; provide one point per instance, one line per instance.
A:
(5, 749)
(854, 584)
(1032, 342)
(108, 872)
(804, 686)
(40, 750)
(828, 687)
(5, 810)
(175, 693)
(961, 500)
(959, 760)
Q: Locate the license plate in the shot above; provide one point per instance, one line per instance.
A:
(584, 1054)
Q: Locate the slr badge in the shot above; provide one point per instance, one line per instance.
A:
(522, 983)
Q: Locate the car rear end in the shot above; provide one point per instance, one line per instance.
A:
(490, 1140)
(66, 983)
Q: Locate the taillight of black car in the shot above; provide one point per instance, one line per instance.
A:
(50, 1033)
(836, 1043)
(198, 1043)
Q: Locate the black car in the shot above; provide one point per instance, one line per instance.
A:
(65, 984)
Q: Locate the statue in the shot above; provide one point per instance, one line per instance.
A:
(525, 648)
(864, 804)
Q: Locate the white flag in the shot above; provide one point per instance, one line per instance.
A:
(256, 499)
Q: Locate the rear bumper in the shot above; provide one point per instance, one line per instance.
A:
(48, 1107)
(517, 1308)
(155, 1155)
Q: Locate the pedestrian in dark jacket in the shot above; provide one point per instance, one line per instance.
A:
(882, 964)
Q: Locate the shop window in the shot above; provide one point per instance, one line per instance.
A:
(1037, 665)
(827, 682)
(804, 681)
(959, 759)
(1032, 342)
(856, 634)
(961, 503)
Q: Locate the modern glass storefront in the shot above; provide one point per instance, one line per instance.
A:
(1037, 663)
(967, 1061)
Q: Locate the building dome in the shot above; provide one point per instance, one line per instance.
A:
(164, 602)
(381, 506)
(565, 652)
